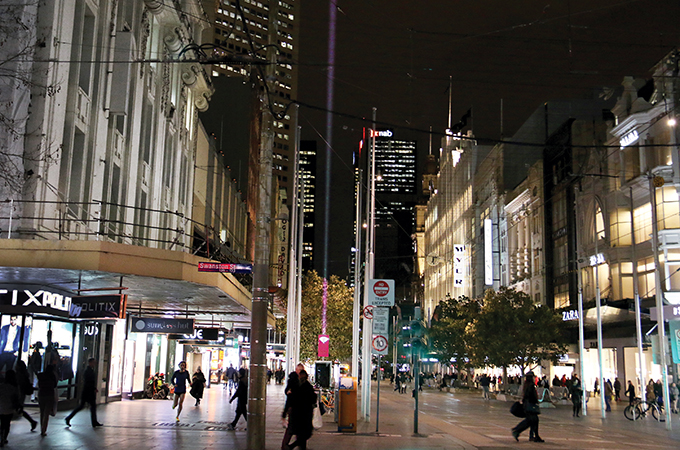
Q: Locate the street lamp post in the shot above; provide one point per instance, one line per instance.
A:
(370, 260)
(357, 279)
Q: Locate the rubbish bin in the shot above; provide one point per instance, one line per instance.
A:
(346, 402)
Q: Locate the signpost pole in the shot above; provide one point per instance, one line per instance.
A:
(377, 404)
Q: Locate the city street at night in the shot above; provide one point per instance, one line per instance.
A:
(461, 420)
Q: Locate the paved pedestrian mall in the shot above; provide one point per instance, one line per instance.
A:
(456, 420)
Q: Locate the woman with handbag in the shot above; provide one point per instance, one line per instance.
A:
(531, 409)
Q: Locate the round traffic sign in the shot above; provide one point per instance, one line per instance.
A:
(379, 343)
(368, 312)
(381, 288)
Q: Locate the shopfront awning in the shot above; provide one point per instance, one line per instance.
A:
(157, 282)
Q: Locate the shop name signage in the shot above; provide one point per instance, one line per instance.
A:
(156, 325)
(225, 267)
(17, 301)
(629, 138)
(199, 334)
(98, 307)
(570, 315)
(670, 312)
(596, 260)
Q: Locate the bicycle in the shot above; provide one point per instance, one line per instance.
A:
(327, 399)
(640, 410)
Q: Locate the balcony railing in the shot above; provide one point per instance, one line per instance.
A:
(131, 225)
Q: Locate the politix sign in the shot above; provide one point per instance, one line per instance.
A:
(381, 292)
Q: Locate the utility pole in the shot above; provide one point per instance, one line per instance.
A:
(257, 392)
(291, 330)
(357, 279)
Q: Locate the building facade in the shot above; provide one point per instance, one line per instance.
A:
(118, 195)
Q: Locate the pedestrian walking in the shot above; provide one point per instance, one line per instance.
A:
(291, 391)
(617, 390)
(630, 392)
(302, 412)
(197, 385)
(230, 377)
(531, 409)
(576, 394)
(47, 396)
(485, 382)
(25, 389)
(608, 392)
(35, 366)
(596, 387)
(241, 397)
(180, 379)
(674, 392)
(649, 391)
(9, 404)
(88, 395)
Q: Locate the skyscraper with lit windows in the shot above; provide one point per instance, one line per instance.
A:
(266, 22)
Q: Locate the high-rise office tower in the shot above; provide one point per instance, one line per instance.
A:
(396, 197)
(266, 23)
(308, 174)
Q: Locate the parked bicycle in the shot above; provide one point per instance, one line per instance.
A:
(640, 410)
(327, 399)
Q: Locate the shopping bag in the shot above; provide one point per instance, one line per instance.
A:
(532, 408)
(517, 410)
(317, 421)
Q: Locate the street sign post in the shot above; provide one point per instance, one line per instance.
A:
(379, 344)
(381, 317)
(368, 312)
(381, 292)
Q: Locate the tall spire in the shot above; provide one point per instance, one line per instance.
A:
(430, 151)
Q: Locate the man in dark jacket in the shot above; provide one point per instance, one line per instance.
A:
(89, 395)
(241, 397)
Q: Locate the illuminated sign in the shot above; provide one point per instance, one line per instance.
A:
(596, 260)
(225, 267)
(385, 133)
(629, 138)
(570, 315)
(488, 252)
(98, 307)
(18, 301)
(458, 266)
(155, 325)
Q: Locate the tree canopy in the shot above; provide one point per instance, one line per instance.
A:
(506, 328)
(338, 317)
(513, 330)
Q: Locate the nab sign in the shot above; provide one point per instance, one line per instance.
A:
(381, 292)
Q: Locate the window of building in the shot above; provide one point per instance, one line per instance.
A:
(599, 223)
(619, 228)
(561, 296)
(642, 218)
(646, 282)
(667, 208)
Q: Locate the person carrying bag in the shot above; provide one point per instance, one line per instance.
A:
(531, 409)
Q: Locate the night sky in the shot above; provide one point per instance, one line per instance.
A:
(398, 56)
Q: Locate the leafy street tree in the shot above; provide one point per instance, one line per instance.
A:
(338, 317)
(449, 339)
(512, 330)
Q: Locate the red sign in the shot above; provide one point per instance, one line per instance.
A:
(368, 312)
(324, 344)
(381, 288)
(225, 267)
